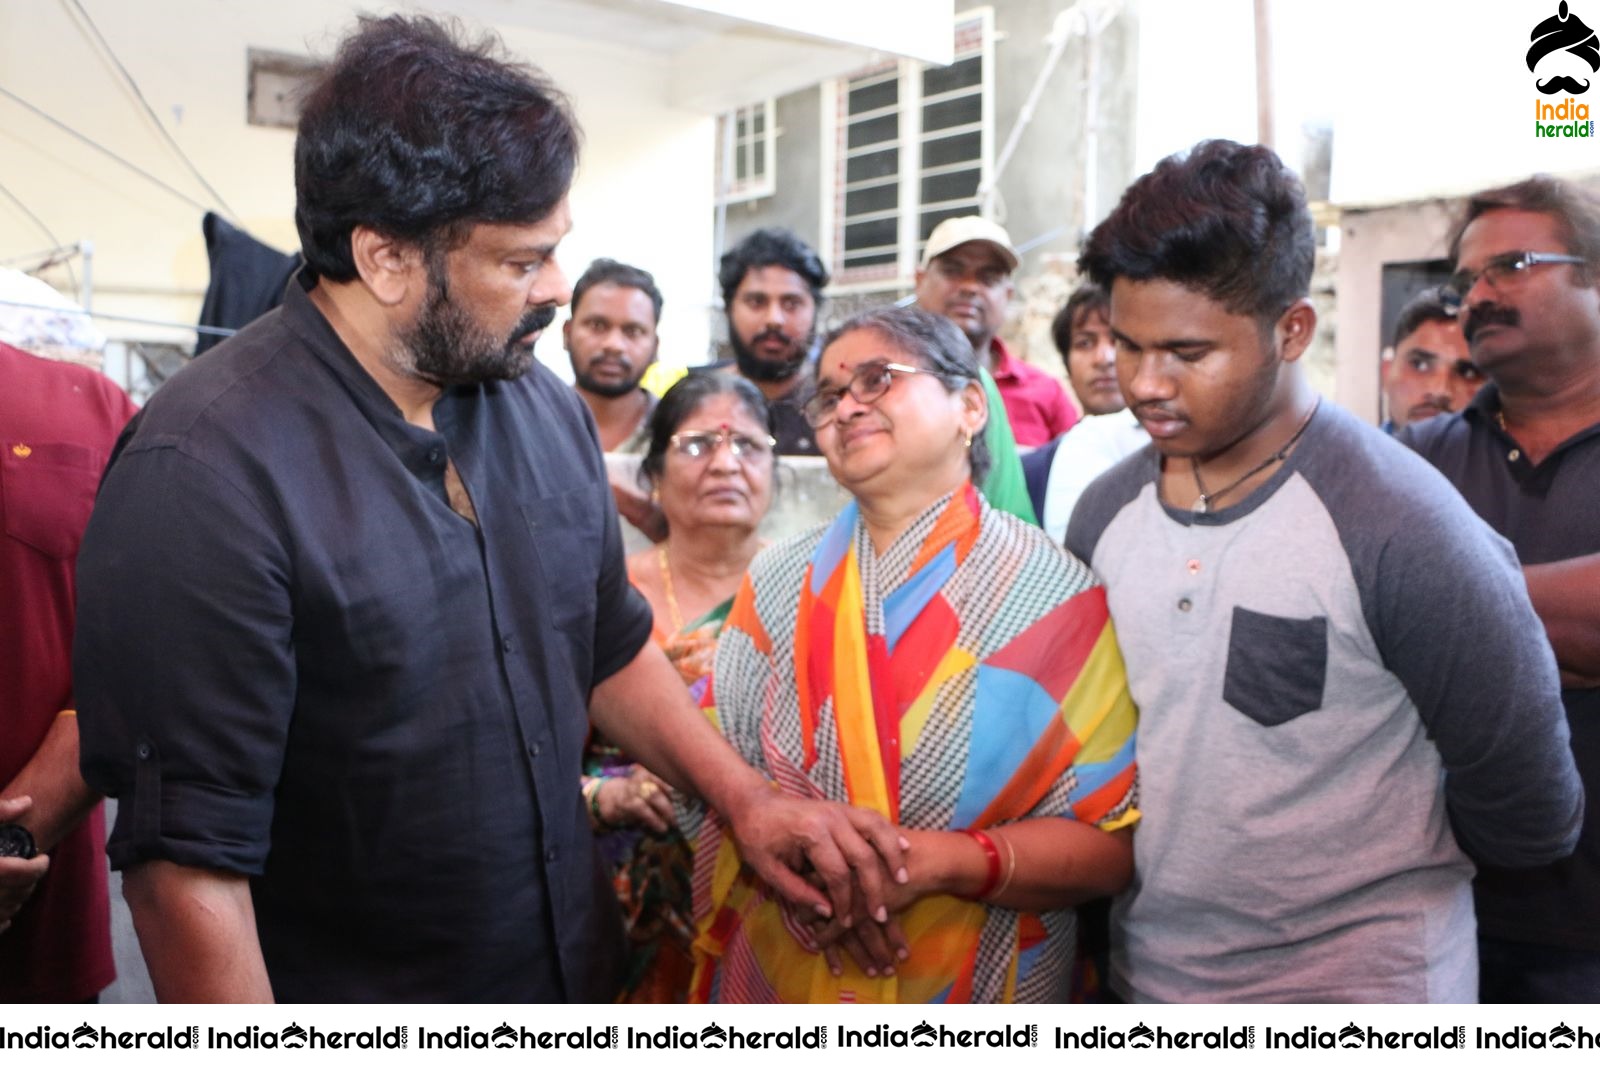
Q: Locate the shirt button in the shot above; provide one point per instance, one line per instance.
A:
(435, 455)
(549, 855)
(1514, 455)
(505, 644)
(534, 750)
(1185, 604)
(143, 750)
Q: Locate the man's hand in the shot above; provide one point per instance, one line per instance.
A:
(17, 877)
(634, 505)
(857, 854)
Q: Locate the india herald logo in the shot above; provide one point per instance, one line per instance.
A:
(1563, 34)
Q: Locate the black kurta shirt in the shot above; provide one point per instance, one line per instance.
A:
(1549, 512)
(294, 661)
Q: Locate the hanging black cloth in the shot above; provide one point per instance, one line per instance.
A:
(247, 278)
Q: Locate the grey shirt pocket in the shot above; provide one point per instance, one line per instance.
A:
(1276, 666)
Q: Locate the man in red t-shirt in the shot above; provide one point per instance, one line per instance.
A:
(966, 277)
(58, 423)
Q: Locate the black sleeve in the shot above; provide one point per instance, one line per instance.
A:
(1446, 603)
(1104, 498)
(623, 616)
(183, 664)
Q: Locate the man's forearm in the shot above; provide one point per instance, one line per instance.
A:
(198, 932)
(61, 798)
(646, 709)
(1566, 594)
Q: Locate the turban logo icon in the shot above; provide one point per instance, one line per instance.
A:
(1564, 32)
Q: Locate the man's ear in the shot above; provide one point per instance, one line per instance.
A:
(390, 268)
(1295, 329)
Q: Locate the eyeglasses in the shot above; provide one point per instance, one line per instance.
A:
(1502, 271)
(867, 384)
(700, 444)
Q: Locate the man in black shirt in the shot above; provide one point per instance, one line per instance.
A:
(1526, 454)
(353, 579)
(772, 286)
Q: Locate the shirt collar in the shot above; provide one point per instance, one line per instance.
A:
(1005, 365)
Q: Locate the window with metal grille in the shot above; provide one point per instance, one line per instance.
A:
(912, 146)
(746, 142)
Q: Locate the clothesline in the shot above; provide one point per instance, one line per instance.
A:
(217, 331)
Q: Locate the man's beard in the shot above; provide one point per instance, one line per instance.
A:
(609, 387)
(759, 369)
(447, 346)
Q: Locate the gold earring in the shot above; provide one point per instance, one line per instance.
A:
(655, 496)
(969, 440)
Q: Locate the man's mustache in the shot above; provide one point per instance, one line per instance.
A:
(1562, 84)
(535, 320)
(1481, 315)
(772, 333)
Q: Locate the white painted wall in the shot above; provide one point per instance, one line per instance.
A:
(643, 192)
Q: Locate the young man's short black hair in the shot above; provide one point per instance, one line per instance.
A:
(1226, 220)
(1425, 306)
(771, 247)
(609, 271)
(1088, 298)
(418, 134)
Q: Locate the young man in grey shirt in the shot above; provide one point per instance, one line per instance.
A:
(1343, 688)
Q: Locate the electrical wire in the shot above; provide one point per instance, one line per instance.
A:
(37, 221)
(98, 147)
(165, 133)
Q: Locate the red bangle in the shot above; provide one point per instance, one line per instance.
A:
(992, 855)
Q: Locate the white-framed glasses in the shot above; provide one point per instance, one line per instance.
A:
(700, 444)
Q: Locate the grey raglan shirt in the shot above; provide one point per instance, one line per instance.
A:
(1332, 675)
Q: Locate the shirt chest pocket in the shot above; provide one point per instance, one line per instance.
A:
(47, 490)
(568, 539)
(1276, 666)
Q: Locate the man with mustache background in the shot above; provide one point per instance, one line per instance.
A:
(772, 286)
(611, 340)
(1526, 454)
(354, 577)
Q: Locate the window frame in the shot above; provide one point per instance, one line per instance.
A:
(731, 189)
(974, 36)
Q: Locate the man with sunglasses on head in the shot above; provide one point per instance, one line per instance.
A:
(1526, 454)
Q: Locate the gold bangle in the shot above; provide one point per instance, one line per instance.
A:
(1011, 865)
(64, 712)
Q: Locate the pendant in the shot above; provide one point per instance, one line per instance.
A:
(1200, 506)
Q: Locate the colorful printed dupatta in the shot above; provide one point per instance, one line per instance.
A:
(968, 677)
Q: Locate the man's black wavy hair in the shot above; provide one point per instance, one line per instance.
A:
(417, 133)
(1226, 220)
(771, 247)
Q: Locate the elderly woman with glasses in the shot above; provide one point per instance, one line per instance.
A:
(709, 467)
(942, 663)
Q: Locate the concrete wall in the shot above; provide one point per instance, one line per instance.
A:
(1040, 192)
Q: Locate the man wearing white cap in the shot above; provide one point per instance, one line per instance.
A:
(966, 277)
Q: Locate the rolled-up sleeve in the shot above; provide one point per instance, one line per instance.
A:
(183, 662)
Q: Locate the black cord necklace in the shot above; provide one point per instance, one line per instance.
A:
(1203, 505)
